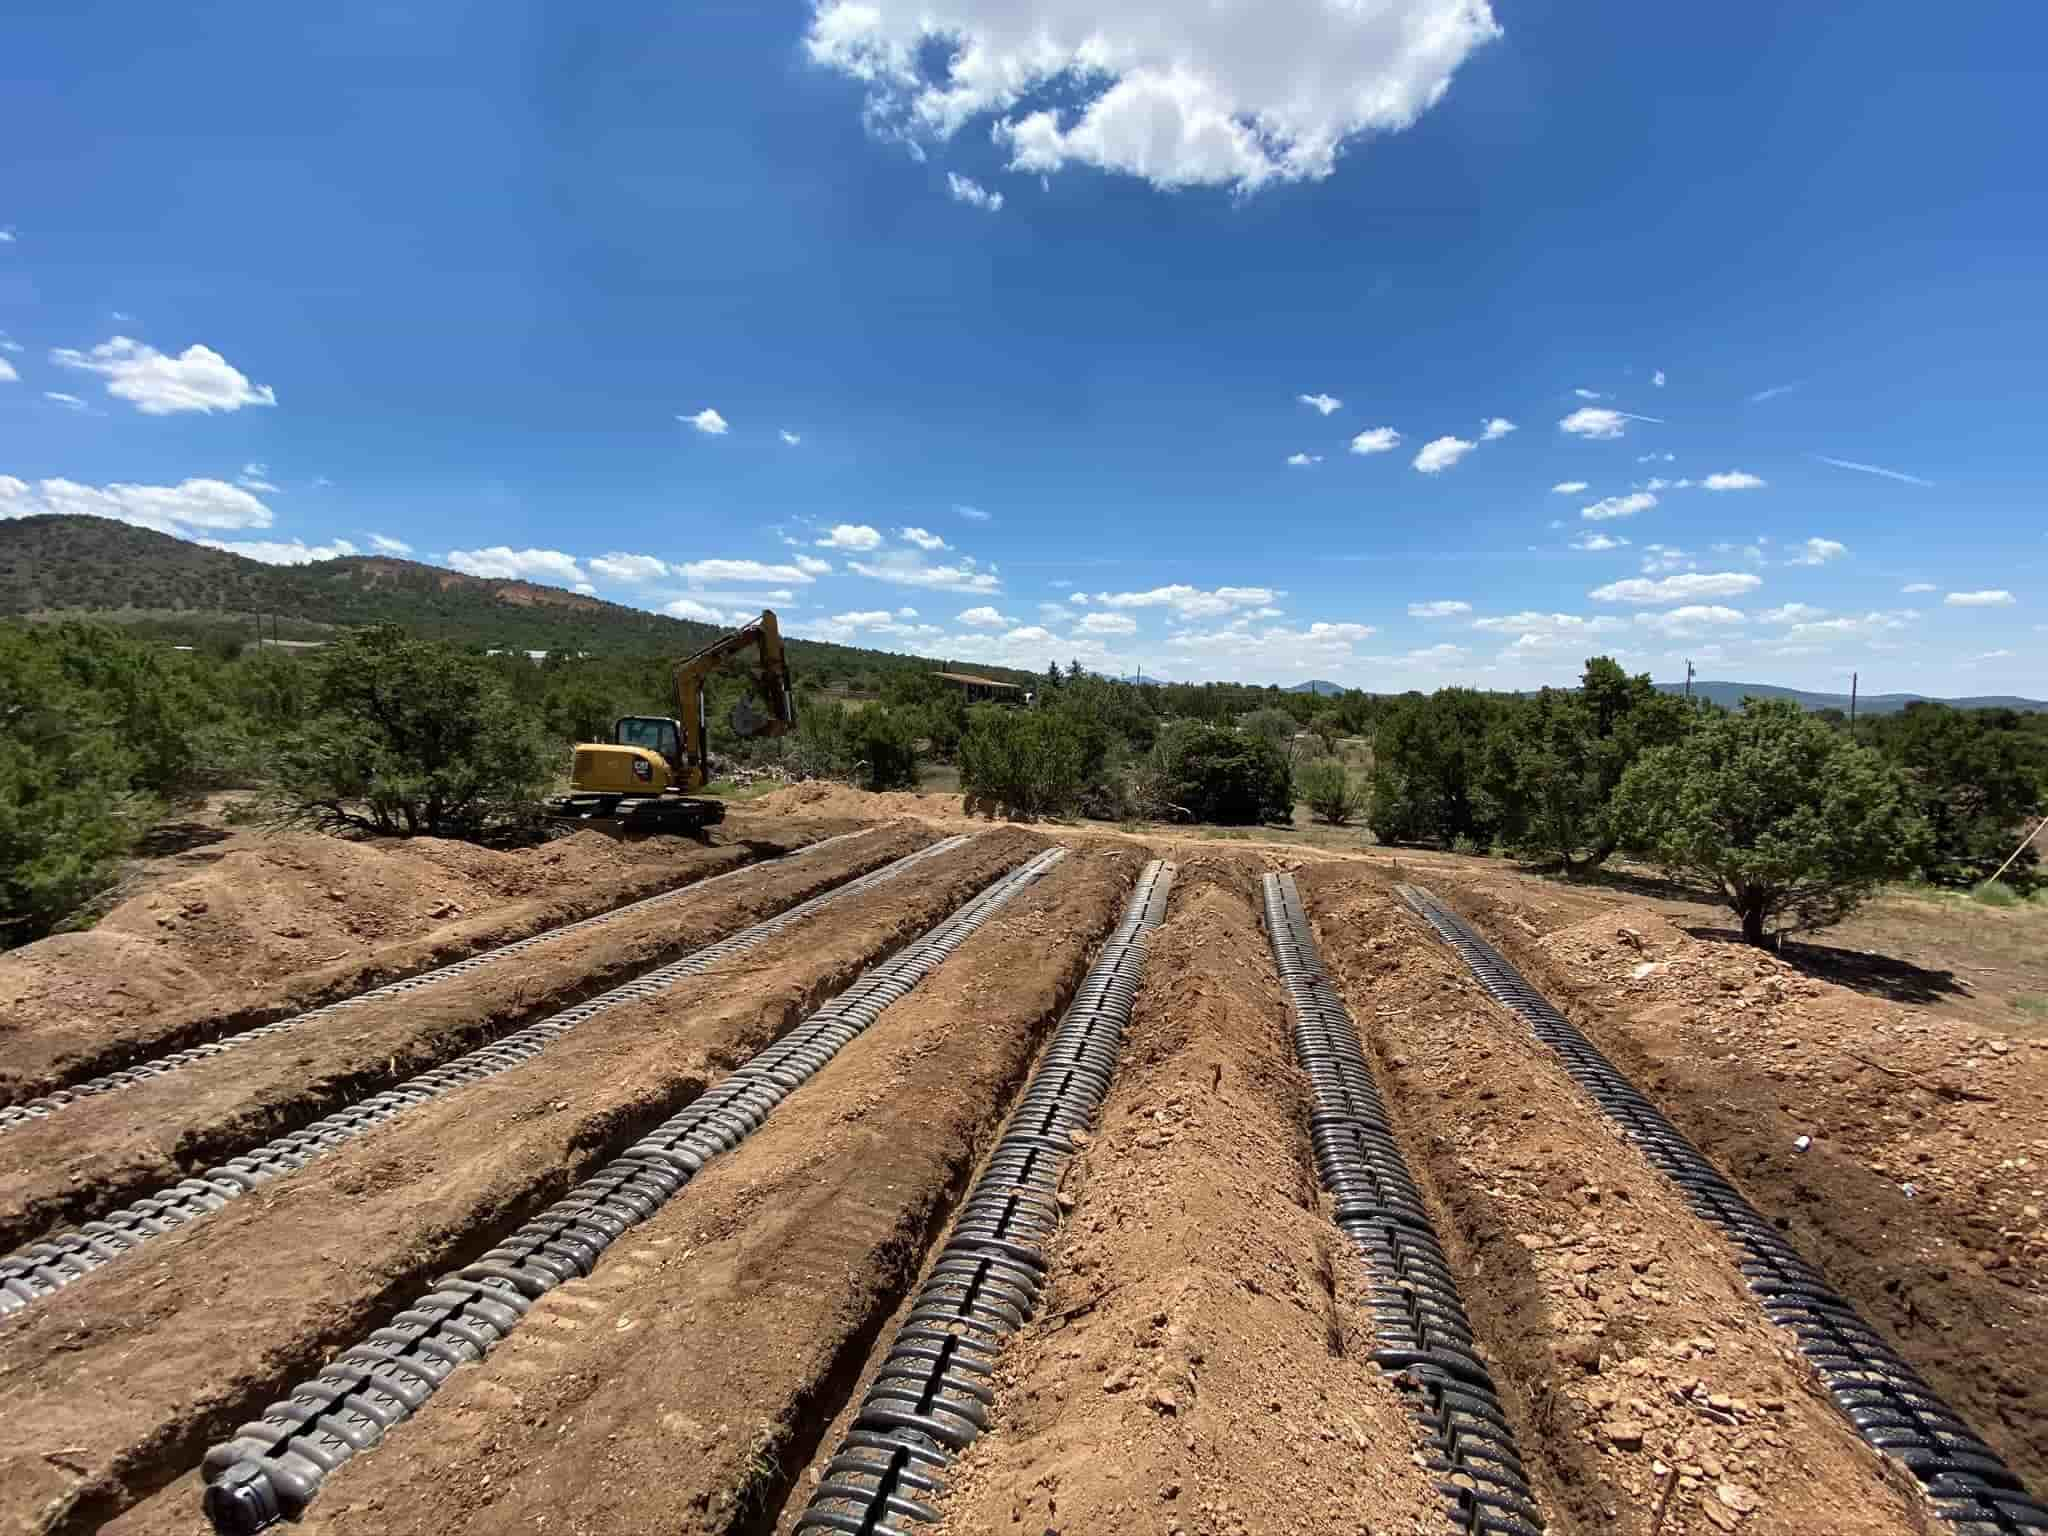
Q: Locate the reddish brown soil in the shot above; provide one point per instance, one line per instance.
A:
(294, 921)
(1748, 1054)
(104, 1151)
(1615, 1321)
(117, 1384)
(1199, 1365)
(711, 1344)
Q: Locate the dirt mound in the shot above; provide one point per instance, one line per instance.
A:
(844, 800)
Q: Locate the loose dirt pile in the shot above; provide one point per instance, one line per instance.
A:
(1616, 1323)
(1199, 1363)
(822, 799)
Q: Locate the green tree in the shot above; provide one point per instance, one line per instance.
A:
(1974, 780)
(412, 737)
(1785, 819)
(1275, 727)
(1223, 776)
(884, 744)
(1325, 786)
(1028, 762)
(1428, 757)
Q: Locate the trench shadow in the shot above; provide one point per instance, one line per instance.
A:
(1897, 981)
(170, 837)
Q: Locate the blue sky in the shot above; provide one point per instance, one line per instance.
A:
(549, 291)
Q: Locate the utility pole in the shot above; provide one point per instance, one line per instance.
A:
(1688, 679)
(1855, 678)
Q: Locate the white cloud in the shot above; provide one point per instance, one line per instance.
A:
(1323, 403)
(972, 514)
(9, 344)
(1657, 378)
(1988, 656)
(631, 569)
(906, 568)
(1850, 627)
(256, 477)
(1733, 480)
(1440, 453)
(295, 552)
(7, 236)
(1772, 393)
(197, 379)
(585, 588)
(1993, 599)
(1873, 469)
(906, 613)
(851, 536)
(965, 189)
(69, 402)
(744, 573)
(7, 373)
(1598, 543)
(789, 437)
(1618, 506)
(1030, 634)
(1444, 654)
(1178, 95)
(1109, 624)
(1567, 487)
(986, 618)
(1074, 597)
(1792, 613)
(1818, 552)
(1600, 422)
(505, 564)
(1919, 586)
(703, 613)
(1303, 460)
(1589, 394)
(1655, 458)
(708, 421)
(389, 546)
(924, 540)
(811, 565)
(1442, 608)
(1660, 558)
(1678, 589)
(174, 509)
(1497, 428)
(1376, 440)
(1691, 620)
(1188, 602)
(1550, 628)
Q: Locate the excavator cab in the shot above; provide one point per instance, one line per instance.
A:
(644, 778)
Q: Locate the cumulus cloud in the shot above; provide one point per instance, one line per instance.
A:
(1657, 378)
(1178, 95)
(908, 568)
(741, 573)
(1598, 543)
(1618, 506)
(1792, 613)
(1992, 599)
(1567, 487)
(1439, 454)
(924, 540)
(1733, 480)
(1678, 589)
(1850, 627)
(389, 546)
(851, 536)
(174, 509)
(1535, 634)
(1187, 602)
(1108, 624)
(1376, 440)
(1601, 422)
(1442, 608)
(1303, 460)
(503, 563)
(1322, 403)
(965, 189)
(7, 373)
(197, 379)
(1659, 558)
(703, 613)
(1692, 620)
(789, 437)
(1818, 552)
(631, 569)
(1919, 586)
(1495, 429)
(275, 552)
(987, 618)
(811, 565)
(708, 421)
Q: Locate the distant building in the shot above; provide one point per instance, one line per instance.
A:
(982, 690)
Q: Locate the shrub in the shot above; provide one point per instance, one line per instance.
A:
(884, 743)
(1028, 762)
(1325, 785)
(1218, 775)
(1779, 815)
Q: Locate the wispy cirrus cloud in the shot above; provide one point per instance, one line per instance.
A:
(1873, 469)
(1772, 393)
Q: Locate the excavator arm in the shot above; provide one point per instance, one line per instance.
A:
(770, 677)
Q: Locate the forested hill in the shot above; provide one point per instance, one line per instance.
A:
(1731, 695)
(92, 566)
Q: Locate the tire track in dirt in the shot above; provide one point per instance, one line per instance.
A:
(43, 1047)
(1907, 1265)
(669, 1389)
(1630, 1354)
(118, 1384)
(102, 1152)
(1201, 1360)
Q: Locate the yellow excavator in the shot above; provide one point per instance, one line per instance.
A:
(645, 778)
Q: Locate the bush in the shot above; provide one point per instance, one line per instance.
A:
(1325, 785)
(1779, 815)
(884, 743)
(412, 737)
(1027, 762)
(1217, 775)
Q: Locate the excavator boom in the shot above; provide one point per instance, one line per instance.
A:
(771, 683)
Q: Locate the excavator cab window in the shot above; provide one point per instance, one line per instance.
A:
(652, 732)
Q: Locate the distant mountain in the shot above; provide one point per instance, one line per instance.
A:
(92, 566)
(1319, 686)
(1731, 695)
